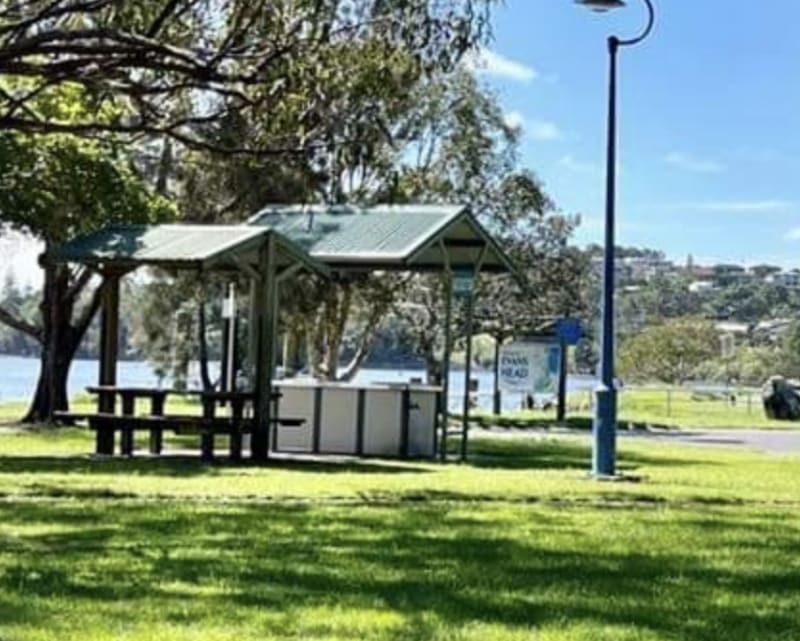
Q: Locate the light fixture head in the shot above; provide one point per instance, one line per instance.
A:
(601, 5)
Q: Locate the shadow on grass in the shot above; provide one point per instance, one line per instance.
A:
(579, 423)
(189, 466)
(441, 569)
(553, 454)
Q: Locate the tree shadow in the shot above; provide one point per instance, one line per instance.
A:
(190, 465)
(435, 566)
(553, 454)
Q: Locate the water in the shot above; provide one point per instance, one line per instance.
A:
(18, 376)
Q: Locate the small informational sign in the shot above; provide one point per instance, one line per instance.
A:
(727, 345)
(529, 367)
(463, 282)
(569, 330)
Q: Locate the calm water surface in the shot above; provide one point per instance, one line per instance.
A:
(18, 377)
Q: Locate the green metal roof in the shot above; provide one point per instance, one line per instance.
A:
(180, 246)
(387, 231)
(386, 236)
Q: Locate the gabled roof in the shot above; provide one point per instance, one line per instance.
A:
(212, 247)
(392, 237)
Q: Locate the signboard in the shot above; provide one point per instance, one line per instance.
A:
(463, 282)
(727, 345)
(529, 367)
(569, 330)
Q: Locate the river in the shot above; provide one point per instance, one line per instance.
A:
(18, 377)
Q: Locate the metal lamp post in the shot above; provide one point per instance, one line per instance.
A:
(605, 414)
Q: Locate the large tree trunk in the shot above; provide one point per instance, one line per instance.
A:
(59, 343)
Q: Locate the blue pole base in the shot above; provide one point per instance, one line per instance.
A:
(604, 432)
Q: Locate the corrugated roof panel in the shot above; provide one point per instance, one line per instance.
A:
(168, 243)
(384, 232)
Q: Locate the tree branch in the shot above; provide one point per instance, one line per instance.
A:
(88, 312)
(21, 325)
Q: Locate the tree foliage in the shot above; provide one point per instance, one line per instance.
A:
(669, 352)
(174, 67)
(55, 187)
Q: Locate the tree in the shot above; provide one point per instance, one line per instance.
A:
(55, 188)
(669, 352)
(342, 100)
(464, 151)
(22, 304)
(762, 271)
(174, 67)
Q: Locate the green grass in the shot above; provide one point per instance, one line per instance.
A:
(699, 544)
(13, 411)
(673, 409)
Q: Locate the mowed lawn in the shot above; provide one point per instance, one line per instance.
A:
(677, 408)
(698, 544)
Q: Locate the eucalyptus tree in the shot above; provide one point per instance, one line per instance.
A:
(308, 102)
(467, 152)
(175, 67)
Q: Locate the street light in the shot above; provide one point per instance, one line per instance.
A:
(604, 428)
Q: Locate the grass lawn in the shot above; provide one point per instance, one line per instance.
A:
(517, 544)
(676, 409)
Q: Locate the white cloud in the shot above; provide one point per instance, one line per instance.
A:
(544, 130)
(490, 63)
(688, 162)
(515, 120)
(537, 129)
(742, 206)
(578, 166)
(792, 234)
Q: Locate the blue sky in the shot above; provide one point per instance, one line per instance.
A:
(709, 123)
(709, 120)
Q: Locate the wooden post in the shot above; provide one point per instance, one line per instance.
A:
(109, 339)
(468, 363)
(207, 435)
(267, 325)
(467, 376)
(497, 399)
(448, 348)
(561, 409)
(252, 330)
(157, 434)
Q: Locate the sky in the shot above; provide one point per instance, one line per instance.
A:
(709, 120)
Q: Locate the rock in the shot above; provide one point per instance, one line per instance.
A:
(781, 399)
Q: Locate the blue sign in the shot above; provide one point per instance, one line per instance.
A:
(463, 282)
(569, 330)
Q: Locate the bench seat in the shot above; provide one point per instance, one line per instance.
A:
(105, 426)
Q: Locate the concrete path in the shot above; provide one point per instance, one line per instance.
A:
(769, 441)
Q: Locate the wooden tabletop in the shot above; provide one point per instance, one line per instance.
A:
(153, 391)
(141, 391)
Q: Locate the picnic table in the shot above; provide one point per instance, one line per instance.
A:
(106, 422)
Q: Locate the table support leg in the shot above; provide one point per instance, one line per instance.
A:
(104, 442)
(236, 446)
(126, 442)
(156, 441)
(207, 446)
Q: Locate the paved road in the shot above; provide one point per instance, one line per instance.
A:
(770, 441)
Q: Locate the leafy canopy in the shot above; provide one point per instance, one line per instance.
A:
(670, 352)
(59, 186)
